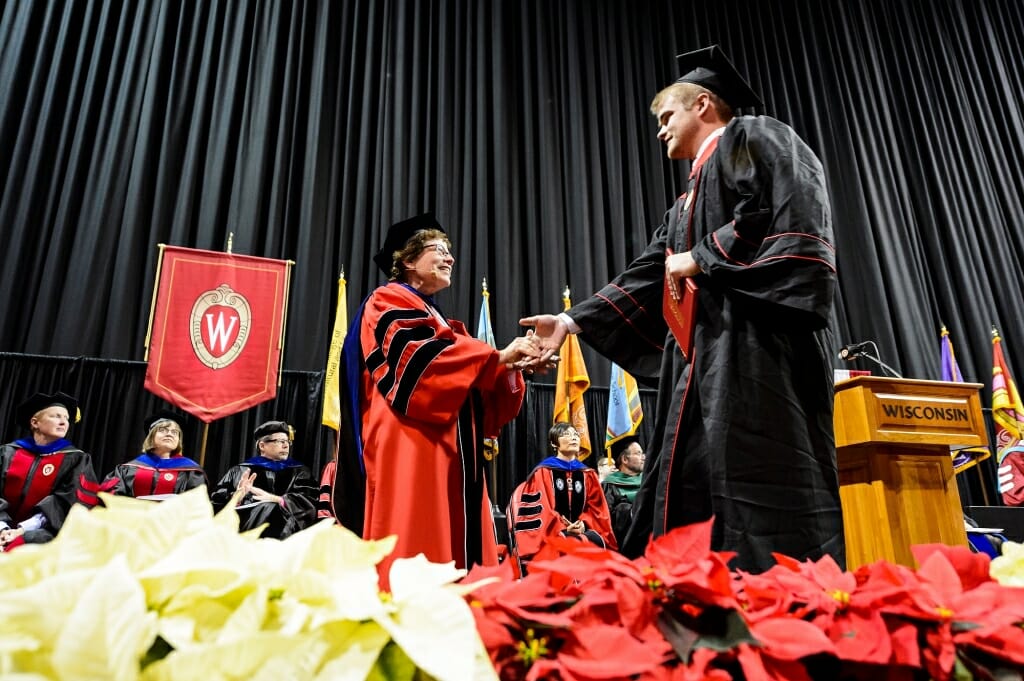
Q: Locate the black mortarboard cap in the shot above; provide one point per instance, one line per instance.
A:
(398, 234)
(711, 69)
(271, 427)
(162, 415)
(33, 405)
(619, 446)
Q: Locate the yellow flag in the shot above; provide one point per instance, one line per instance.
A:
(332, 385)
(572, 382)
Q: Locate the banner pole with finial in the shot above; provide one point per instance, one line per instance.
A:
(202, 445)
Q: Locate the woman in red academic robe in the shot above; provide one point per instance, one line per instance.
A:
(429, 395)
(562, 497)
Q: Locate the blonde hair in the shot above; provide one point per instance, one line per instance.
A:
(687, 94)
(413, 247)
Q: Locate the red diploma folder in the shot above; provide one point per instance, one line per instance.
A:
(680, 315)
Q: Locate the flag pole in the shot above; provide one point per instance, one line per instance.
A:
(337, 433)
(284, 318)
(202, 446)
(494, 459)
(152, 303)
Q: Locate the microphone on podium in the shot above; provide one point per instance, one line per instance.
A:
(854, 350)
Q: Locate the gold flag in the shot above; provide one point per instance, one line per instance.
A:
(572, 382)
(332, 385)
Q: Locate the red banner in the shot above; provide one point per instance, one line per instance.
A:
(217, 330)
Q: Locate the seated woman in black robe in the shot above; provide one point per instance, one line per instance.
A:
(41, 476)
(275, 488)
(161, 469)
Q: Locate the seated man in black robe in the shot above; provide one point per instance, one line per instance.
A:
(621, 485)
(276, 490)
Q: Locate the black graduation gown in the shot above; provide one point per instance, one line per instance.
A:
(745, 432)
(50, 484)
(294, 482)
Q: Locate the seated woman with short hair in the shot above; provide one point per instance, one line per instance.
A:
(41, 476)
(161, 469)
(561, 497)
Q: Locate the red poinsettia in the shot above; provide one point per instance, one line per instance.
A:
(825, 595)
(678, 614)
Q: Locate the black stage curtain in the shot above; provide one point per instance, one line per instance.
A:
(304, 128)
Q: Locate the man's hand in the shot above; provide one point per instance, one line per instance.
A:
(549, 333)
(245, 483)
(262, 495)
(677, 266)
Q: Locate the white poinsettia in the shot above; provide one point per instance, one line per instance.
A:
(84, 625)
(432, 623)
(1008, 568)
(140, 590)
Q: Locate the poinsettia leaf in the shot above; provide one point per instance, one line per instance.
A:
(393, 665)
(972, 568)
(604, 651)
(757, 665)
(905, 640)
(786, 638)
(723, 630)
(681, 637)
(861, 637)
(354, 650)
(108, 630)
(434, 626)
(689, 543)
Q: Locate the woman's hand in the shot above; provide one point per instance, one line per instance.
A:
(573, 529)
(521, 352)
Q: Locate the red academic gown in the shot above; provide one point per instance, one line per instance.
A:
(42, 479)
(555, 489)
(431, 394)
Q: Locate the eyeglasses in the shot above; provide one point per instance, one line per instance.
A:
(279, 441)
(168, 429)
(440, 249)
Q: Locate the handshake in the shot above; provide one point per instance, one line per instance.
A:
(536, 351)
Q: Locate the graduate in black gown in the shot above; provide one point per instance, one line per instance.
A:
(276, 489)
(41, 475)
(161, 468)
(743, 428)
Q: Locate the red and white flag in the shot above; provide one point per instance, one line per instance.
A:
(217, 330)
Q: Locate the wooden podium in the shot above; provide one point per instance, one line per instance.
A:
(896, 480)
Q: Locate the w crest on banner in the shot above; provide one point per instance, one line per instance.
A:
(216, 330)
